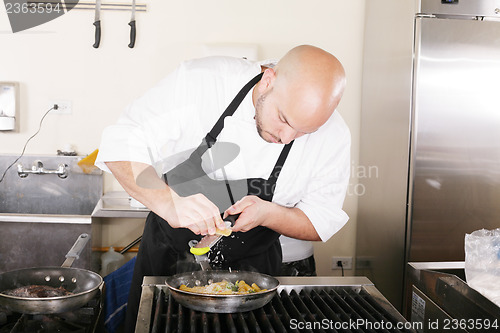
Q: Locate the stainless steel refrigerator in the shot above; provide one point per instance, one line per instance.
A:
(431, 126)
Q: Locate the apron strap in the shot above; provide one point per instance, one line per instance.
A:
(279, 165)
(231, 108)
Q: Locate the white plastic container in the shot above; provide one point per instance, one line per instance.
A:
(111, 261)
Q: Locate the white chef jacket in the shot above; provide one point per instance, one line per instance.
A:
(162, 127)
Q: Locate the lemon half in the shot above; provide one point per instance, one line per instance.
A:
(198, 251)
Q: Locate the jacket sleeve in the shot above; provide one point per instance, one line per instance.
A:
(145, 126)
(327, 186)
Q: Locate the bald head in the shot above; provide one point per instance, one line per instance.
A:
(314, 79)
(305, 87)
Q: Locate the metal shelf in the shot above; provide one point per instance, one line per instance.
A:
(116, 6)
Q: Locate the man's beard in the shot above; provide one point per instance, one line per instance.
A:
(258, 116)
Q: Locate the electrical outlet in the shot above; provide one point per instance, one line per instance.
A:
(346, 262)
(64, 106)
(364, 262)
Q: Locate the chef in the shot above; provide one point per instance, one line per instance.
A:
(223, 136)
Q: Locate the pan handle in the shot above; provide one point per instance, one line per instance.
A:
(76, 249)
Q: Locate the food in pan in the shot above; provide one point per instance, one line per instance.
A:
(224, 288)
(37, 291)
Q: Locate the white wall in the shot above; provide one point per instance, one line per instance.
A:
(57, 61)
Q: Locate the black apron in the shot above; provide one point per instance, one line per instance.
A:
(164, 250)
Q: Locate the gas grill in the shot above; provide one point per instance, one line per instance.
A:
(82, 320)
(305, 304)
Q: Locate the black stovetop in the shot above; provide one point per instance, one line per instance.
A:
(305, 304)
(82, 320)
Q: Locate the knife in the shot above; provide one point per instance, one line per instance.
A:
(97, 24)
(209, 241)
(132, 26)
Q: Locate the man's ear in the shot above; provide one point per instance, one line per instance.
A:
(267, 80)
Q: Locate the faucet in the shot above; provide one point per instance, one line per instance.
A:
(38, 169)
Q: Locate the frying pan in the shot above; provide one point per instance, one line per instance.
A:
(82, 283)
(222, 303)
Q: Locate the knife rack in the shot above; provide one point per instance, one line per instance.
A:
(115, 6)
(139, 7)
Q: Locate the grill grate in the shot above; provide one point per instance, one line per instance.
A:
(81, 320)
(333, 309)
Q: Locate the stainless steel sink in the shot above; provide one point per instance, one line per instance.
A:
(43, 210)
(47, 193)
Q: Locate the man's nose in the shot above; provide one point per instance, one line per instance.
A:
(287, 135)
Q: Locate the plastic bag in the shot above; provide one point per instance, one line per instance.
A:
(482, 262)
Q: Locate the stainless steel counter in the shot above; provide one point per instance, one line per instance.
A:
(117, 204)
(438, 297)
(46, 218)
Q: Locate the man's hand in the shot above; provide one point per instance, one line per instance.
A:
(194, 212)
(291, 222)
(141, 181)
(253, 211)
